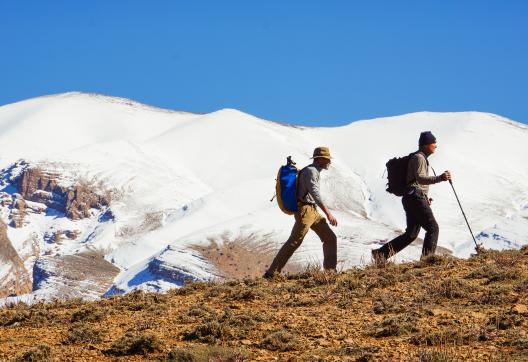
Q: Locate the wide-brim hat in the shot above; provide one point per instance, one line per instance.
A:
(322, 152)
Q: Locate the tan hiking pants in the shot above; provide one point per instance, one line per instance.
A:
(305, 219)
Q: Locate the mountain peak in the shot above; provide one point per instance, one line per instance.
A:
(185, 180)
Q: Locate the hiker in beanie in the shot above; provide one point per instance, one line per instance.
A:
(307, 217)
(416, 203)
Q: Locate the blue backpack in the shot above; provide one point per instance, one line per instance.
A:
(286, 187)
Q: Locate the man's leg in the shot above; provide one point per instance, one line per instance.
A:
(427, 220)
(411, 232)
(329, 239)
(303, 221)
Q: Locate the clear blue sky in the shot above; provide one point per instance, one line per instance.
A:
(304, 62)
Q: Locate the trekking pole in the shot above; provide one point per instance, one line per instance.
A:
(477, 246)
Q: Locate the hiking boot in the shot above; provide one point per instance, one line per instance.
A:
(267, 276)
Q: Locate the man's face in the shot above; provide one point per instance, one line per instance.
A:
(324, 162)
(430, 148)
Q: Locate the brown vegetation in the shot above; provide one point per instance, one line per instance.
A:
(440, 309)
(242, 257)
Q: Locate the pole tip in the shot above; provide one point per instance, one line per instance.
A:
(479, 249)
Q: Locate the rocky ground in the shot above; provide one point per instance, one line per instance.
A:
(440, 309)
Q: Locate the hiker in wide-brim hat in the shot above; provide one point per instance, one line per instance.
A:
(307, 217)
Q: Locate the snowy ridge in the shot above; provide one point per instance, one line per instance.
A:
(181, 179)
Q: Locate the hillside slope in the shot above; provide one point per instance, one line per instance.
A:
(440, 309)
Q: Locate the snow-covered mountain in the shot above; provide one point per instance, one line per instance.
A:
(103, 195)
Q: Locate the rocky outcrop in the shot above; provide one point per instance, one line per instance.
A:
(51, 189)
(177, 274)
(18, 211)
(57, 236)
(178, 265)
(75, 201)
(14, 278)
(86, 275)
(5, 199)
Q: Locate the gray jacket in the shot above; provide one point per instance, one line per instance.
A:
(308, 190)
(418, 174)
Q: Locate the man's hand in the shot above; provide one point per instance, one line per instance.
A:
(329, 216)
(331, 219)
(446, 176)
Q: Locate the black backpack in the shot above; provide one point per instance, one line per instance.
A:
(397, 174)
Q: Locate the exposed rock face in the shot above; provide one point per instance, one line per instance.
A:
(5, 199)
(173, 266)
(18, 211)
(29, 189)
(71, 234)
(16, 280)
(37, 185)
(86, 275)
(179, 265)
(58, 236)
(175, 273)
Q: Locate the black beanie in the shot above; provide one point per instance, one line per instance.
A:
(426, 138)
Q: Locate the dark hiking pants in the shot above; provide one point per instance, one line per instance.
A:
(418, 214)
(305, 219)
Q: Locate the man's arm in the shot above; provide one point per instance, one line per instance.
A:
(418, 163)
(312, 180)
(329, 215)
(313, 187)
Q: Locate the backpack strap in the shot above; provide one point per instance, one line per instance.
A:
(426, 162)
(307, 192)
(408, 184)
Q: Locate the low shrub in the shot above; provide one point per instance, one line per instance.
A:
(281, 341)
(505, 320)
(81, 334)
(132, 343)
(209, 332)
(40, 353)
(434, 356)
(395, 325)
(207, 353)
(86, 314)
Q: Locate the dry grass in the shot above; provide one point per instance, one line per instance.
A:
(440, 309)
